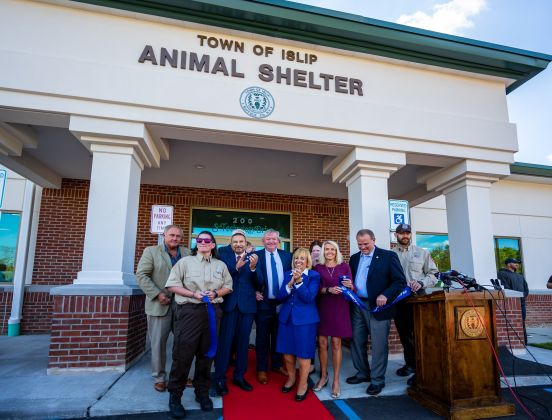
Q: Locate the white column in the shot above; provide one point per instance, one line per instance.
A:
(112, 217)
(120, 151)
(368, 206)
(470, 229)
(466, 187)
(14, 322)
(366, 173)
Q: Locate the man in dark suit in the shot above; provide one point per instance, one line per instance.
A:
(272, 265)
(378, 278)
(239, 309)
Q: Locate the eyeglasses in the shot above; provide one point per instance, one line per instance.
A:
(204, 240)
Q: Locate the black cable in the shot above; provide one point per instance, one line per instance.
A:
(508, 324)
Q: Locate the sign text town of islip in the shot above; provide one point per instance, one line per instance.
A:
(188, 60)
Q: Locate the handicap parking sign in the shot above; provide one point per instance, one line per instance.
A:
(398, 218)
(398, 213)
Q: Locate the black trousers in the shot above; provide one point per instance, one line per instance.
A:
(191, 338)
(404, 321)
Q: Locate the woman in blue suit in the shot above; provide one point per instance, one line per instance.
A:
(298, 321)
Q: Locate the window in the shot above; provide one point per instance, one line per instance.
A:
(9, 233)
(221, 223)
(507, 248)
(438, 247)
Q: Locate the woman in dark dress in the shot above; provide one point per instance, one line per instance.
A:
(334, 311)
(298, 321)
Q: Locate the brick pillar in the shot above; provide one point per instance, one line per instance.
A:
(506, 331)
(96, 333)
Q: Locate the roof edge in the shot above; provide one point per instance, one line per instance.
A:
(318, 26)
(533, 169)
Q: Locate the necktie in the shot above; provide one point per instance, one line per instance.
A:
(275, 283)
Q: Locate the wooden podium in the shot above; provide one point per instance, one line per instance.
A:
(457, 375)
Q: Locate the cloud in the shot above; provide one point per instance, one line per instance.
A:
(549, 157)
(449, 17)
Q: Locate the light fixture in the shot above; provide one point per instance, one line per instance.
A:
(292, 174)
(199, 166)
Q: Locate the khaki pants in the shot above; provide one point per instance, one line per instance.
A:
(159, 328)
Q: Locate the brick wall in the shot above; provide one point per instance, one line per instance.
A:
(539, 310)
(96, 332)
(312, 218)
(37, 312)
(509, 331)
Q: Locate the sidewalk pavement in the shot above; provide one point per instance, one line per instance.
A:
(28, 393)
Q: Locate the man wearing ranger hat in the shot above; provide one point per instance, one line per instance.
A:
(419, 270)
(511, 279)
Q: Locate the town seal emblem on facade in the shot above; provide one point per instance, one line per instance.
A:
(257, 102)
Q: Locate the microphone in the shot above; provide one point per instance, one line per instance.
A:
(447, 277)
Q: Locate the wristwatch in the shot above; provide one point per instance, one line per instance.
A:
(216, 294)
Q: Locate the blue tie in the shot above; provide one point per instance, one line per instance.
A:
(275, 283)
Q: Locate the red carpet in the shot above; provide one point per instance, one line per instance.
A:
(267, 401)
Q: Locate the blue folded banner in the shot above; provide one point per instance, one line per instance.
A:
(350, 295)
(407, 291)
(212, 328)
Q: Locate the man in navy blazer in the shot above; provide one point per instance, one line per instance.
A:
(270, 258)
(239, 308)
(378, 278)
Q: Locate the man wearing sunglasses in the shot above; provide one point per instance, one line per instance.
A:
(200, 275)
(152, 274)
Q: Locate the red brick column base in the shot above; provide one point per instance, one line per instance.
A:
(96, 332)
(507, 332)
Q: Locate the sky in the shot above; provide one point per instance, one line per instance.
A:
(523, 24)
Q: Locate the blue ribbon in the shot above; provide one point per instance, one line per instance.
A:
(212, 328)
(350, 295)
(403, 295)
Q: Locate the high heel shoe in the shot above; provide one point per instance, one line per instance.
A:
(336, 394)
(321, 385)
(286, 389)
(301, 397)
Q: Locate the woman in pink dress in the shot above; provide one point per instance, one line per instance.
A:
(334, 311)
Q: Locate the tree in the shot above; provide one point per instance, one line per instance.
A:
(441, 256)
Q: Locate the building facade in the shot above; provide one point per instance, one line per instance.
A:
(255, 113)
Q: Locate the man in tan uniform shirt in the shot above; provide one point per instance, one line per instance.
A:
(191, 279)
(419, 270)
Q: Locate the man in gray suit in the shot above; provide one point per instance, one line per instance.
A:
(152, 274)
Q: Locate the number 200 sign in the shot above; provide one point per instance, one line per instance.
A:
(161, 216)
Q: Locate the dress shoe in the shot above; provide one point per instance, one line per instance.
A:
(262, 378)
(321, 385)
(411, 381)
(353, 380)
(286, 389)
(374, 389)
(336, 393)
(243, 384)
(160, 386)
(204, 402)
(301, 397)
(176, 410)
(405, 371)
(280, 370)
(221, 388)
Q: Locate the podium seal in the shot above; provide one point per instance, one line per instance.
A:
(470, 323)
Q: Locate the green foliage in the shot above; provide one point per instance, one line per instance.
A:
(506, 252)
(441, 256)
(547, 346)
